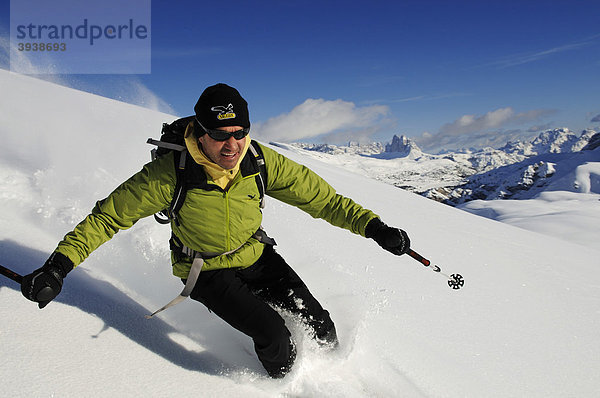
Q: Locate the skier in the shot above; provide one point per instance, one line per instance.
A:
(242, 277)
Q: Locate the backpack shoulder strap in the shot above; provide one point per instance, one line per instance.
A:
(172, 140)
(261, 177)
(180, 186)
(189, 175)
(164, 216)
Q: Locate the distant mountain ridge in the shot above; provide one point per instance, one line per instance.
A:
(519, 169)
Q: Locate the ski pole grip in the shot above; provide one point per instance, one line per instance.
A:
(418, 257)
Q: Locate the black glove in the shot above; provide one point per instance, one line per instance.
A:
(391, 239)
(44, 284)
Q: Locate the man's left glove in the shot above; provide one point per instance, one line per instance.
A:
(45, 283)
(391, 239)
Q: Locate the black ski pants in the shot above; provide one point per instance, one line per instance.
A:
(244, 299)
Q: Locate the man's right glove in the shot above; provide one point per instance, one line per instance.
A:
(45, 283)
(391, 239)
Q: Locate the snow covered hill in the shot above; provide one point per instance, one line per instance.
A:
(525, 324)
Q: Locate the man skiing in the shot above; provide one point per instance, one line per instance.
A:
(219, 249)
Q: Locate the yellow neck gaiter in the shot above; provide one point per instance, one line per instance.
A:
(220, 176)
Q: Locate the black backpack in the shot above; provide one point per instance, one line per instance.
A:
(189, 173)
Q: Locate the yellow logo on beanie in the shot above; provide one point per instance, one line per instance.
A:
(226, 116)
(225, 112)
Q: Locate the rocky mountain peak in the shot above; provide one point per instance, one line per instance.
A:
(404, 147)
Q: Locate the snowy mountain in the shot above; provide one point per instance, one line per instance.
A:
(551, 141)
(458, 177)
(354, 148)
(547, 159)
(399, 147)
(525, 324)
(528, 178)
(410, 169)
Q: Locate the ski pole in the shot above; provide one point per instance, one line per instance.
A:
(10, 274)
(455, 281)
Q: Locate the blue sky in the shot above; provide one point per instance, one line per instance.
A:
(451, 72)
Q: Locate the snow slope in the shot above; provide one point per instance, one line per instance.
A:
(524, 325)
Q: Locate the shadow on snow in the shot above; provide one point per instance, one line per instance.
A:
(113, 307)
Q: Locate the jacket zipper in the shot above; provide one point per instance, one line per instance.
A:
(228, 231)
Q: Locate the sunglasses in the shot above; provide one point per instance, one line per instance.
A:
(220, 135)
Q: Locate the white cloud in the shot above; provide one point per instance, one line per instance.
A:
(317, 117)
(481, 130)
(472, 123)
(492, 120)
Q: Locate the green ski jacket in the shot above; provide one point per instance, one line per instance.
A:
(213, 220)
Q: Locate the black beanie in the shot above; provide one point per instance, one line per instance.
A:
(220, 106)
